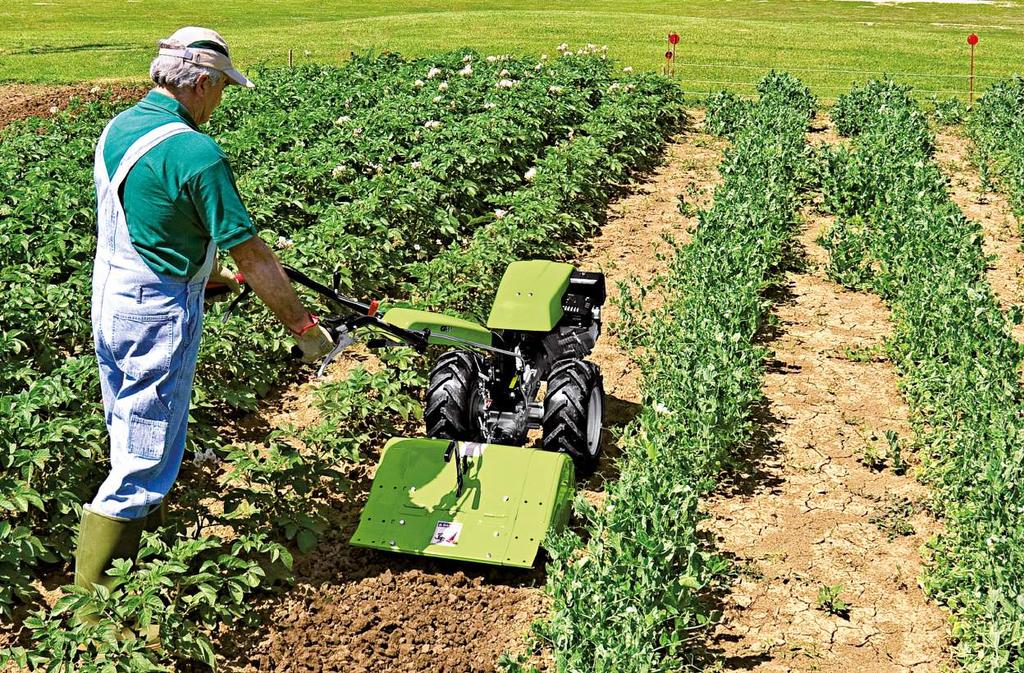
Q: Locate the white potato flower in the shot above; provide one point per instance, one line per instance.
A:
(432, 124)
(628, 68)
(418, 84)
(467, 71)
(283, 242)
(506, 84)
(500, 213)
(530, 174)
(433, 72)
(442, 87)
(207, 456)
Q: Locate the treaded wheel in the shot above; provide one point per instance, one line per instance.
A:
(452, 397)
(574, 412)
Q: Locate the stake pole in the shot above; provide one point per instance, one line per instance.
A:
(289, 58)
(972, 74)
(972, 40)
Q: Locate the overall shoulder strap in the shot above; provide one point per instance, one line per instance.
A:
(100, 165)
(141, 146)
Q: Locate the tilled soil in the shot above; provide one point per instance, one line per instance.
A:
(992, 211)
(358, 610)
(18, 101)
(819, 503)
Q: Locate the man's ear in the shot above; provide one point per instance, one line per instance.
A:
(202, 85)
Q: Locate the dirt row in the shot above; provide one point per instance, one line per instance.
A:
(18, 101)
(826, 527)
(357, 610)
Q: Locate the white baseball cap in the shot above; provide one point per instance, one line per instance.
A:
(206, 47)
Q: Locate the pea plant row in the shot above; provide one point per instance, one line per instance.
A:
(630, 591)
(899, 234)
(997, 128)
(417, 179)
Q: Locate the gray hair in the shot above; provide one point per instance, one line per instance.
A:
(171, 71)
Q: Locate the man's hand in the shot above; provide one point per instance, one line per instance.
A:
(263, 273)
(223, 276)
(315, 343)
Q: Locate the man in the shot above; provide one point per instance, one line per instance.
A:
(166, 201)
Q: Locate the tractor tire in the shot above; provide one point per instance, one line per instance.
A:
(451, 397)
(574, 413)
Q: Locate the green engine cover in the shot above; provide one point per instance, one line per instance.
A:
(529, 298)
(512, 498)
(440, 325)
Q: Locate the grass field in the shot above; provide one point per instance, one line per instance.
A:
(828, 43)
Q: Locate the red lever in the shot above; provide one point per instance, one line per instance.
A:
(240, 277)
(374, 305)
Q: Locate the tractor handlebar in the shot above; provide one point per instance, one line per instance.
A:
(340, 326)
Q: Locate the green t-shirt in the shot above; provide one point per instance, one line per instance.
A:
(180, 194)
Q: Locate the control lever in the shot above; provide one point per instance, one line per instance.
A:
(345, 339)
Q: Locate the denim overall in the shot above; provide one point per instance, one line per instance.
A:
(146, 328)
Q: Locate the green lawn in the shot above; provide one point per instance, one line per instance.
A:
(828, 43)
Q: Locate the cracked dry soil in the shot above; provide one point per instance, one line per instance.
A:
(357, 610)
(809, 511)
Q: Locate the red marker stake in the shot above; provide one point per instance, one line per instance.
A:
(972, 40)
(670, 55)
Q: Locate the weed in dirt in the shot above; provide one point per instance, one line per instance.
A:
(894, 518)
(899, 465)
(751, 570)
(685, 208)
(872, 457)
(830, 601)
(873, 353)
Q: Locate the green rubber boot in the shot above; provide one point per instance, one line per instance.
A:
(157, 517)
(101, 539)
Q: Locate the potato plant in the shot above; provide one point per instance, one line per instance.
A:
(899, 234)
(371, 169)
(632, 594)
